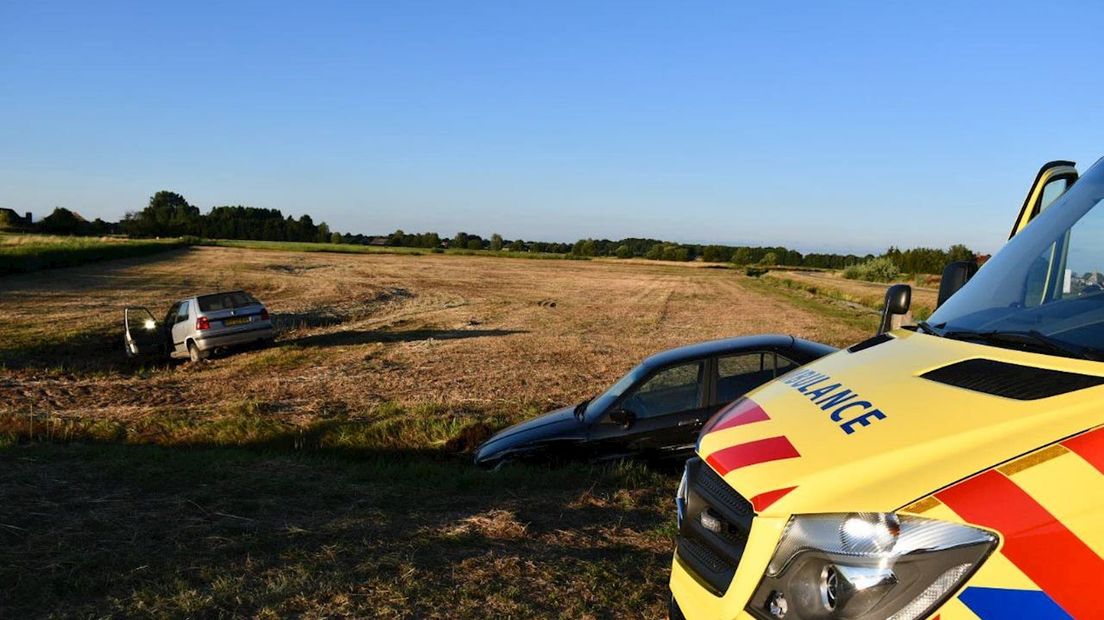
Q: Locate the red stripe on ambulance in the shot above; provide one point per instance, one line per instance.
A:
(741, 413)
(1034, 540)
(1090, 447)
(764, 500)
(751, 453)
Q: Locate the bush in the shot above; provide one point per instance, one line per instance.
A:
(755, 272)
(875, 270)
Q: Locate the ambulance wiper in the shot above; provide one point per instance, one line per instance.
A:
(924, 326)
(1031, 338)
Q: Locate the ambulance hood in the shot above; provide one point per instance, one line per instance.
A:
(863, 430)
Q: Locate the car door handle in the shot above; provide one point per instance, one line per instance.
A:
(687, 422)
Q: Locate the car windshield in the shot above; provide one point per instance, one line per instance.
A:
(1046, 286)
(225, 301)
(601, 403)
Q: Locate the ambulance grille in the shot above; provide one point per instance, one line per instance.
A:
(712, 555)
(1010, 380)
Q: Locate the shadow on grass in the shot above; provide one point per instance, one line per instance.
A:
(101, 350)
(90, 351)
(112, 530)
(353, 337)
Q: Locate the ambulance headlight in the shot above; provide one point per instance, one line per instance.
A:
(867, 565)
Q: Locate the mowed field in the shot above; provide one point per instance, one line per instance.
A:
(330, 474)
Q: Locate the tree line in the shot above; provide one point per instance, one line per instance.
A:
(168, 214)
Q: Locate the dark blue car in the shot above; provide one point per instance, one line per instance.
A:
(656, 410)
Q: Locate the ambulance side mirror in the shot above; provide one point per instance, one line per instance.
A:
(955, 276)
(897, 300)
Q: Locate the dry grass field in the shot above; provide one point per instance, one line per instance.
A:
(329, 475)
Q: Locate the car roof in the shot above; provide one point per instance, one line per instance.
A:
(736, 345)
(226, 292)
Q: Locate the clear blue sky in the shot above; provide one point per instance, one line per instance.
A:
(834, 126)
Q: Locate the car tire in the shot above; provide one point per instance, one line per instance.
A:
(195, 354)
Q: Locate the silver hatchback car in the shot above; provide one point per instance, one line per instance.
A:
(195, 326)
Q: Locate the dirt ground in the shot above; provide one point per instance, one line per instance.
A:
(463, 333)
(175, 489)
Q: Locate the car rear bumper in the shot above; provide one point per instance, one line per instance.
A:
(214, 341)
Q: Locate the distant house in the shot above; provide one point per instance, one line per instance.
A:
(10, 220)
(377, 241)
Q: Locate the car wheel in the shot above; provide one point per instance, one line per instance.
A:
(195, 354)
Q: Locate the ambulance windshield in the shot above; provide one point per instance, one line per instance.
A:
(1044, 291)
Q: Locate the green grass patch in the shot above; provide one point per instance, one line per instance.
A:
(27, 253)
(873, 302)
(798, 295)
(285, 357)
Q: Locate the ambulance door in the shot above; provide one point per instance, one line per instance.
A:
(1053, 180)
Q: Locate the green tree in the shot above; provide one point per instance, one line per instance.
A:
(496, 242)
(623, 251)
(337, 238)
(770, 258)
(715, 254)
(741, 256)
(959, 252)
(166, 214)
(475, 244)
(63, 222)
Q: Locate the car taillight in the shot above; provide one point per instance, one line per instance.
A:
(203, 323)
(264, 314)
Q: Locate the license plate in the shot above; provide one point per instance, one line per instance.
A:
(238, 320)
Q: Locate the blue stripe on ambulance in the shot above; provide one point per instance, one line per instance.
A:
(994, 603)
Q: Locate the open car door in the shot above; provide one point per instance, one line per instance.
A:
(143, 336)
(1053, 180)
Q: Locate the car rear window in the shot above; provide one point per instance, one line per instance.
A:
(225, 301)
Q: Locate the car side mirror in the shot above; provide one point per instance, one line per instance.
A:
(955, 276)
(623, 417)
(898, 298)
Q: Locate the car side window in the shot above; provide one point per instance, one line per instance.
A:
(182, 312)
(670, 390)
(741, 373)
(783, 365)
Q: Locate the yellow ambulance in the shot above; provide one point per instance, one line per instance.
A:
(953, 469)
